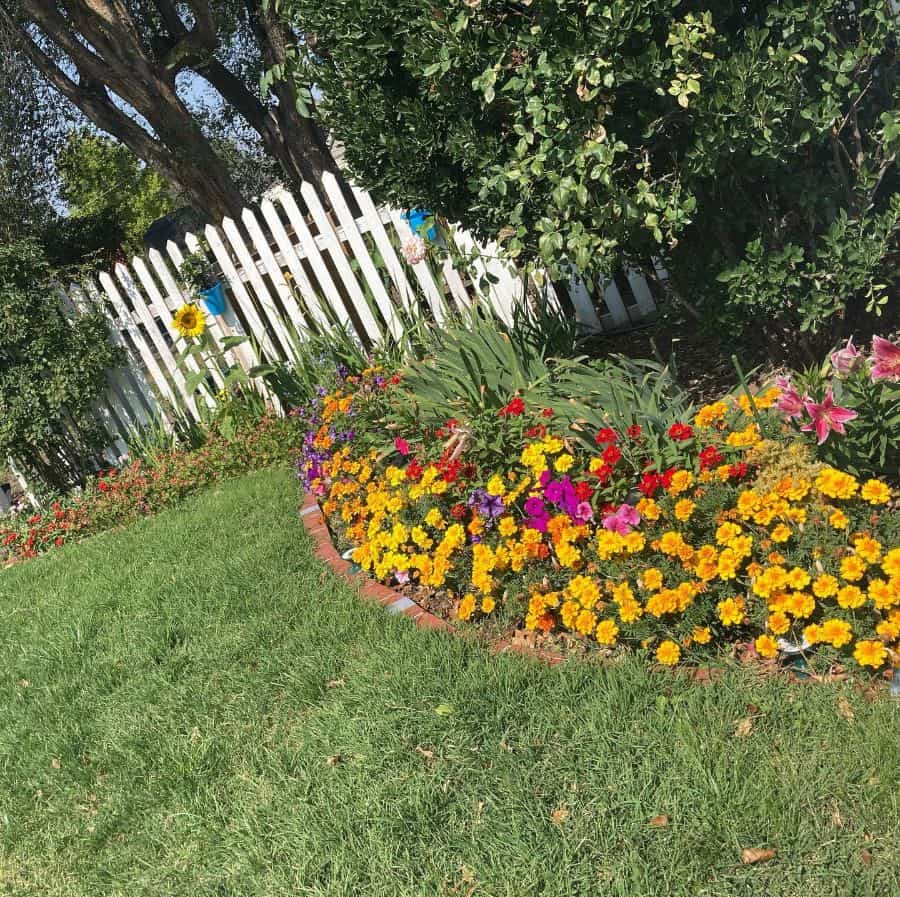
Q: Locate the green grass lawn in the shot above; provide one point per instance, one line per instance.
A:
(195, 707)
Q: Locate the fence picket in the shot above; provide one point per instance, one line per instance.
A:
(421, 271)
(146, 352)
(295, 266)
(617, 311)
(239, 292)
(355, 295)
(316, 260)
(394, 265)
(361, 252)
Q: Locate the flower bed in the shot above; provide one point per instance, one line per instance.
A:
(721, 529)
(117, 497)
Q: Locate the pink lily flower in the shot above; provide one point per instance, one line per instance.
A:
(623, 520)
(885, 359)
(790, 403)
(846, 360)
(826, 416)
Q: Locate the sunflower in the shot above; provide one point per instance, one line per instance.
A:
(189, 320)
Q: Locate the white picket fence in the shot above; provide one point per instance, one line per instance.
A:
(307, 267)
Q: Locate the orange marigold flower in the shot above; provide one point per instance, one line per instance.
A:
(669, 653)
(766, 646)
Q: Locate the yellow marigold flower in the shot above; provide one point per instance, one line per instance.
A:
(394, 475)
(622, 593)
(608, 544)
(634, 542)
(869, 653)
(435, 519)
(670, 543)
(649, 509)
(888, 630)
(890, 563)
(710, 414)
(727, 531)
(836, 484)
(778, 622)
(189, 320)
(851, 597)
(681, 480)
(607, 632)
(754, 569)
(766, 646)
(669, 653)
(488, 604)
(853, 568)
(813, 633)
(875, 492)
(825, 585)
(836, 632)
(728, 564)
(800, 605)
(884, 594)
(552, 445)
(798, 578)
(749, 436)
(584, 590)
(867, 548)
(702, 635)
(564, 463)
(781, 533)
(731, 611)
(585, 622)
(839, 520)
(683, 509)
(652, 579)
(496, 486)
(466, 607)
(507, 527)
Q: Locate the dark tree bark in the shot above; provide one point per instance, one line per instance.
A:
(109, 55)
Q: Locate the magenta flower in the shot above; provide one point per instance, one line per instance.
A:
(790, 403)
(584, 512)
(885, 359)
(623, 520)
(826, 416)
(846, 360)
(401, 445)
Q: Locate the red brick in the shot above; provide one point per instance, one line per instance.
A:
(430, 621)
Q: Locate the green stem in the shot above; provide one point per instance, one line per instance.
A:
(754, 410)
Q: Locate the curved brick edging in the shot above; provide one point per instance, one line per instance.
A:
(391, 600)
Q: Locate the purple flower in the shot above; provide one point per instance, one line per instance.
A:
(538, 522)
(534, 507)
(545, 477)
(490, 506)
(554, 491)
(623, 520)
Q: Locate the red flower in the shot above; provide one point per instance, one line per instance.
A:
(606, 435)
(738, 471)
(634, 431)
(414, 471)
(547, 412)
(395, 379)
(103, 486)
(710, 457)
(611, 455)
(59, 541)
(666, 479)
(584, 490)
(539, 431)
(513, 409)
(545, 622)
(649, 484)
(458, 511)
(9, 538)
(401, 445)
(681, 432)
(33, 520)
(468, 471)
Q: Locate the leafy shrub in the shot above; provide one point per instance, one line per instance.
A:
(51, 370)
(713, 135)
